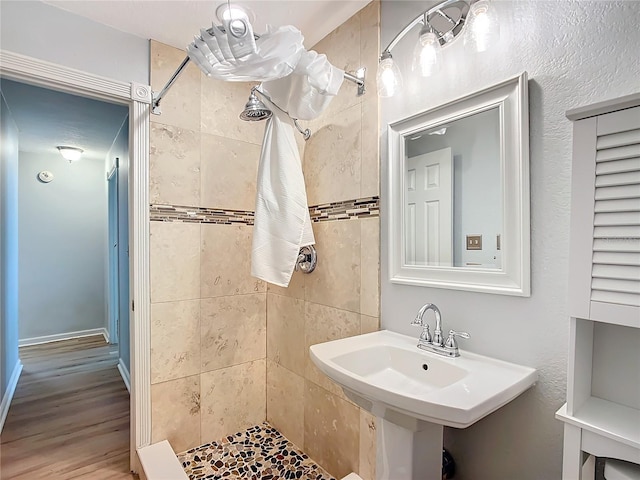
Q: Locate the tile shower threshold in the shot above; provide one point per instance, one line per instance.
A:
(259, 453)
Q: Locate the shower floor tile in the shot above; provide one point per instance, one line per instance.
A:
(258, 453)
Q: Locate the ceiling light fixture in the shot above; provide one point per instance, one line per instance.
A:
(441, 24)
(70, 153)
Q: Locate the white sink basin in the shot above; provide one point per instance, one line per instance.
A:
(385, 373)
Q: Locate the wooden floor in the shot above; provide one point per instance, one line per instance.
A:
(69, 417)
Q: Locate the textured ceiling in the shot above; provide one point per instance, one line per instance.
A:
(46, 119)
(176, 22)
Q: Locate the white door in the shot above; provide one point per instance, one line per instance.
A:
(112, 182)
(429, 206)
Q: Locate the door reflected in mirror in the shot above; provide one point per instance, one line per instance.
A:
(453, 191)
(458, 178)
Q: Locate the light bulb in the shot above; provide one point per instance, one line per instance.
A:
(483, 29)
(70, 153)
(426, 55)
(388, 78)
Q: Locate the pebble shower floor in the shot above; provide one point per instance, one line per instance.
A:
(258, 453)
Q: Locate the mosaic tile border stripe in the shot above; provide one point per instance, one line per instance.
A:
(358, 208)
(179, 213)
(345, 210)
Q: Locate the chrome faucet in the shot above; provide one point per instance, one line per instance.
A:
(435, 344)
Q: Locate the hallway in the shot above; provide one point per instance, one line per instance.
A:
(70, 414)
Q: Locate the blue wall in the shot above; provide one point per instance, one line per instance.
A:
(63, 245)
(8, 247)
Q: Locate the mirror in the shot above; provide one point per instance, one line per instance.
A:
(459, 193)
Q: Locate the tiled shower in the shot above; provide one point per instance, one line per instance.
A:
(227, 350)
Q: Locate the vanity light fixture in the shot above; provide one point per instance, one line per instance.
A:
(70, 153)
(441, 24)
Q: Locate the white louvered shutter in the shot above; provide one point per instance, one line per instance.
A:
(604, 261)
(615, 274)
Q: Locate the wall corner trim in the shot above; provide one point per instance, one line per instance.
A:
(8, 394)
(141, 93)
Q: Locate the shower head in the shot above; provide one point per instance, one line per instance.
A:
(255, 110)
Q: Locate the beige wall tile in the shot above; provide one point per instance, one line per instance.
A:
(174, 166)
(342, 48)
(333, 157)
(370, 44)
(229, 172)
(367, 468)
(323, 324)
(174, 261)
(222, 103)
(331, 431)
(233, 330)
(370, 180)
(370, 266)
(285, 402)
(175, 412)
(226, 261)
(285, 332)
(233, 399)
(369, 324)
(342, 45)
(175, 340)
(336, 279)
(295, 288)
(181, 104)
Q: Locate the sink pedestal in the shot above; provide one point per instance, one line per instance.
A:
(413, 453)
(413, 393)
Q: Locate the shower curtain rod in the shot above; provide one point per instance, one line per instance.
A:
(357, 78)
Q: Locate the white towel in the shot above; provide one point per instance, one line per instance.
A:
(282, 224)
(309, 89)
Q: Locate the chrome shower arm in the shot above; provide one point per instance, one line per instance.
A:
(357, 78)
(155, 106)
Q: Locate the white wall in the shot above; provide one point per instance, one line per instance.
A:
(576, 53)
(49, 33)
(63, 232)
(8, 246)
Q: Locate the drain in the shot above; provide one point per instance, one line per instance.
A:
(425, 366)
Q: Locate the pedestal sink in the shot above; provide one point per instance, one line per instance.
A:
(414, 393)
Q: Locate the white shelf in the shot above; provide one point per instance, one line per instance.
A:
(611, 420)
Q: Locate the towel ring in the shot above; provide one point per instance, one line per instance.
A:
(307, 259)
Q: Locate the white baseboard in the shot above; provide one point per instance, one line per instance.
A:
(124, 373)
(8, 394)
(64, 336)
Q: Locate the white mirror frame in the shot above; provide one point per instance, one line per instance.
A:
(511, 98)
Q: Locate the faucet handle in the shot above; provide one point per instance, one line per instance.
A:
(451, 341)
(425, 336)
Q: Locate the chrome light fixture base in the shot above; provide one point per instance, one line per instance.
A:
(445, 21)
